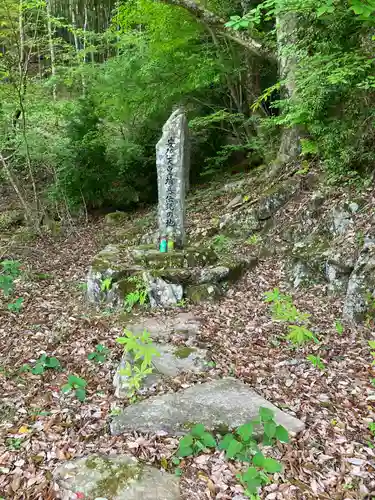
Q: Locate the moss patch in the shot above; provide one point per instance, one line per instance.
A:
(184, 352)
(115, 476)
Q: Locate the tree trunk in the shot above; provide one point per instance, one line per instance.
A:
(51, 47)
(286, 24)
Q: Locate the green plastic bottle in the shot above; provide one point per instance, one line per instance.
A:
(163, 245)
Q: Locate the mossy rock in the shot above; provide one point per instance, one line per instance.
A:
(115, 219)
(118, 477)
(204, 292)
(179, 276)
(114, 257)
(151, 258)
(237, 266)
(275, 197)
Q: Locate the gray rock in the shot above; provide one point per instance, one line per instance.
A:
(161, 293)
(236, 202)
(121, 382)
(172, 162)
(173, 361)
(361, 284)
(226, 402)
(161, 330)
(341, 221)
(117, 477)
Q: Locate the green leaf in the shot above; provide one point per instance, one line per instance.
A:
(271, 465)
(245, 431)
(258, 459)
(266, 414)
(270, 428)
(52, 362)
(185, 451)
(234, 448)
(250, 473)
(208, 440)
(178, 472)
(186, 441)
(282, 434)
(225, 442)
(75, 381)
(80, 394)
(198, 430)
(176, 461)
(66, 388)
(38, 369)
(91, 356)
(339, 327)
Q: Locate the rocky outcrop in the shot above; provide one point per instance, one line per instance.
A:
(361, 286)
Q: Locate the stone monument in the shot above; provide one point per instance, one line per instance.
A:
(172, 162)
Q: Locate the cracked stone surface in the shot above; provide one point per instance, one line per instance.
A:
(227, 402)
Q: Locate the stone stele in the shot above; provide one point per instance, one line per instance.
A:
(172, 162)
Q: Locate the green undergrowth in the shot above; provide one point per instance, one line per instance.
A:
(244, 444)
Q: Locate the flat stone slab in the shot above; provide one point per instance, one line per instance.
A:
(120, 477)
(173, 361)
(227, 402)
(184, 324)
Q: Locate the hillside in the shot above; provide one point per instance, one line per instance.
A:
(310, 240)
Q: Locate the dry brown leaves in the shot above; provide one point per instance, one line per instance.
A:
(40, 427)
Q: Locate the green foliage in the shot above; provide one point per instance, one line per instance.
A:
(140, 348)
(105, 285)
(44, 363)
(10, 270)
(77, 385)
(14, 444)
(254, 239)
(16, 306)
(99, 355)
(196, 441)
(316, 361)
(221, 243)
(284, 310)
(139, 296)
(339, 327)
(241, 445)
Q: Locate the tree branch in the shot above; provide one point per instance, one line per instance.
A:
(214, 21)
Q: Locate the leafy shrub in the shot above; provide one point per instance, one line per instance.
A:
(241, 445)
(283, 309)
(141, 350)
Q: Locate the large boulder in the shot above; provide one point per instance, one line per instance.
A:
(117, 477)
(226, 402)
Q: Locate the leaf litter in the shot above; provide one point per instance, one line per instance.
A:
(41, 427)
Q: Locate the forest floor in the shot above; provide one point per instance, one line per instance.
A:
(40, 427)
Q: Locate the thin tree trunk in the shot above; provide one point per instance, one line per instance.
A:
(51, 48)
(13, 183)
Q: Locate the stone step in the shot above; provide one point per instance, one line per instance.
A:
(171, 362)
(226, 402)
(117, 477)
